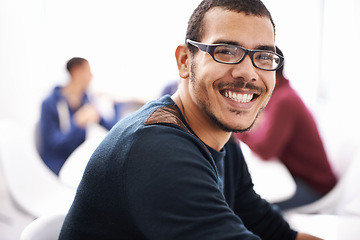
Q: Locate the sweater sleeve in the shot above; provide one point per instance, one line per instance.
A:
(257, 214)
(51, 132)
(173, 193)
(272, 135)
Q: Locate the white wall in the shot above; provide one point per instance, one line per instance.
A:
(299, 35)
(339, 83)
(130, 44)
(21, 57)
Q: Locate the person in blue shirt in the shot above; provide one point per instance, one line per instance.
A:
(65, 114)
(172, 170)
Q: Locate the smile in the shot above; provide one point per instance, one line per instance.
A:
(238, 97)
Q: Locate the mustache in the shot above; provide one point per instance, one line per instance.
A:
(239, 84)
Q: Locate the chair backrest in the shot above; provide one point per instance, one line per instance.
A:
(336, 201)
(325, 205)
(44, 228)
(31, 184)
(350, 201)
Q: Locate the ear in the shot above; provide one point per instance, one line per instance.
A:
(182, 55)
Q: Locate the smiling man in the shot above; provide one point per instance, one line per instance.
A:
(216, 86)
(172, 170)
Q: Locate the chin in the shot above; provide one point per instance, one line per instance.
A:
(243, 129)
(230, 127)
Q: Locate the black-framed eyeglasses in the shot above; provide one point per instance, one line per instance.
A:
(232, 54)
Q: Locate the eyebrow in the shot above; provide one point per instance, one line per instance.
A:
(260, 47)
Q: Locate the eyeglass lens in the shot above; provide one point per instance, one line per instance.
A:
(234, 54)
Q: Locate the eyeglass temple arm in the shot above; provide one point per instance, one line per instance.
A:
(203, 47)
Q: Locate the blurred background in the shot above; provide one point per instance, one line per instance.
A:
(130, 46)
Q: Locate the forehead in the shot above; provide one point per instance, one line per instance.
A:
(249, 31)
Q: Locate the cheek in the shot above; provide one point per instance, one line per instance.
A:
(201, 84)
(207, 75)
(269, 81)
(270, 86)
(197, 88)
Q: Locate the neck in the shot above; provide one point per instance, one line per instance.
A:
(200, 123)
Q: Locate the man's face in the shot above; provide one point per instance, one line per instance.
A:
(83, 74)
(232, 95)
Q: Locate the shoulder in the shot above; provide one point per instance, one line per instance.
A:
(156, 129)
(150, 146)
(165, 133)
(166, 127)
(53, 97)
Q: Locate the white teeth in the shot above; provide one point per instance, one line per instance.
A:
(238, 97)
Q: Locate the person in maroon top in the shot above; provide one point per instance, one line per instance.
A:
(286, 130)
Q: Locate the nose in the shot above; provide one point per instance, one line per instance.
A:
(245, 69)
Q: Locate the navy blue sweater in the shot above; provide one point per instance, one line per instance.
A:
(152, 178)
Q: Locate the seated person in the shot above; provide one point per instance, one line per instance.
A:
(172, 170)
(287, 131)
(65, 114)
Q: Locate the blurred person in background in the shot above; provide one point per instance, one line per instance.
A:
(65, 115)
(286, 130)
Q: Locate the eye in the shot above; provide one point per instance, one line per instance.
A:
(265, 60)
(227, 53)
(265, 56)
(226, 50)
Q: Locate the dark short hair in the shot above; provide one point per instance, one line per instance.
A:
(195, 24)
(280, 70)
(74, 62)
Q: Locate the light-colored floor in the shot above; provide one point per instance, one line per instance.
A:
(12, 220)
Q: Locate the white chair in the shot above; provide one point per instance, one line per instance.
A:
(341, 199)
(31, 184)
(350, 200)
(272, 180)
(325, 205)
(329, 227)
(44, 228)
